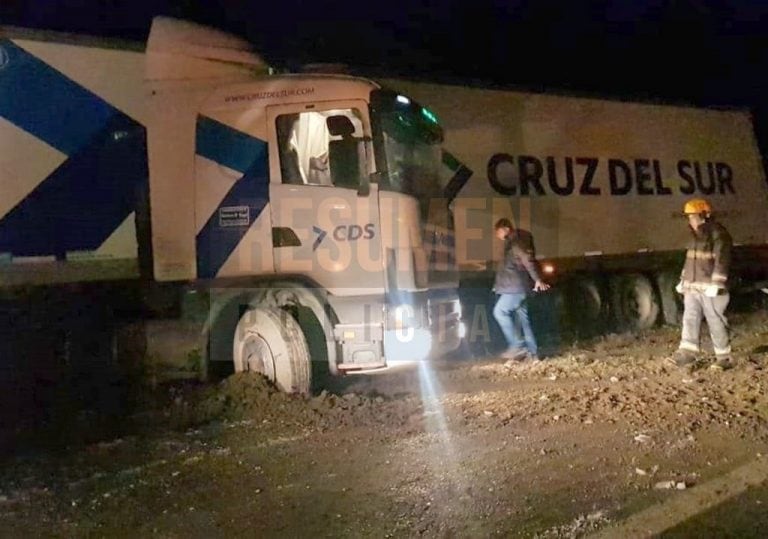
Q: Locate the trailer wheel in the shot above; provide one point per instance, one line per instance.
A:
(634, 301)
(671, 301)
(584, 305)
(270, 341)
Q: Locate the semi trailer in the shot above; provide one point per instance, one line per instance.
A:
(601, 186)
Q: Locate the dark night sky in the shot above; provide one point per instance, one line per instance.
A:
(696, 51)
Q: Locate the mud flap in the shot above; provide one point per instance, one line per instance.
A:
(173, 350)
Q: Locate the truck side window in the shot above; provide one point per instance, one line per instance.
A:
(321, 147)
(289, 159)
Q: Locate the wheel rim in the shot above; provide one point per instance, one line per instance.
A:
(256, 356)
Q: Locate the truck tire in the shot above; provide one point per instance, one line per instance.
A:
(270, 341)
(671, 301)
(634, 301)
(315, 337)
(584, 306)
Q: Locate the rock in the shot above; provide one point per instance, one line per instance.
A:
(681, 485)
(664, 485)
(488, 413)
(614, 379)
(640, 471)
(642, 438)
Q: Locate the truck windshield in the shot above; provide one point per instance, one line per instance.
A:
(408, 146)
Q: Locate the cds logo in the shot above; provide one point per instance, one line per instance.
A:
(4, 58)
(344, 233)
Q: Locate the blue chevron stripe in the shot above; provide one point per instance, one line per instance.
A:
(45, 103)
(225, 145)
(229, 223)
(88, 196)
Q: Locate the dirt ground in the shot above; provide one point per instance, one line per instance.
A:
(561, 448)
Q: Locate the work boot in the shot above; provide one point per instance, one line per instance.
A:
(514, 354)
(683, 358)
(722, 363)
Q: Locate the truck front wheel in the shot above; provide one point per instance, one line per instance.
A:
(270, 341)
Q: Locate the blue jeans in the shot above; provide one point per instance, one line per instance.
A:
(511, 308)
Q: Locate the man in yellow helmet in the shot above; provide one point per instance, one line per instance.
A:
(703, 283)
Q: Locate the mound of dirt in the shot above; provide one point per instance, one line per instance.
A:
(251, 398)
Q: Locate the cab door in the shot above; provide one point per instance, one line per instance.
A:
(325, 212)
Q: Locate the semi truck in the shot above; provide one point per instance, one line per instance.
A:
(601, 186)
(185, 202)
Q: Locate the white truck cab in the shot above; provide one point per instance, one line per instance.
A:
(281, 219)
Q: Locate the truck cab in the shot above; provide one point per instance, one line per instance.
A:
(303, 191)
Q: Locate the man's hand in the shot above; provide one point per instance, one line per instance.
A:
(711, 291)
(540, 286)
(679, 287)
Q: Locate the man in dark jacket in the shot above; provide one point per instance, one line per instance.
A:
(516, 277)
(703, 283)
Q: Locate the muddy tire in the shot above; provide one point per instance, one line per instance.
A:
(671, 301)
(317, 344)
(270, 341)
(634, 302)
(584, 306)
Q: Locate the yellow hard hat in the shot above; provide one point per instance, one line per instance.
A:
(697, 205)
